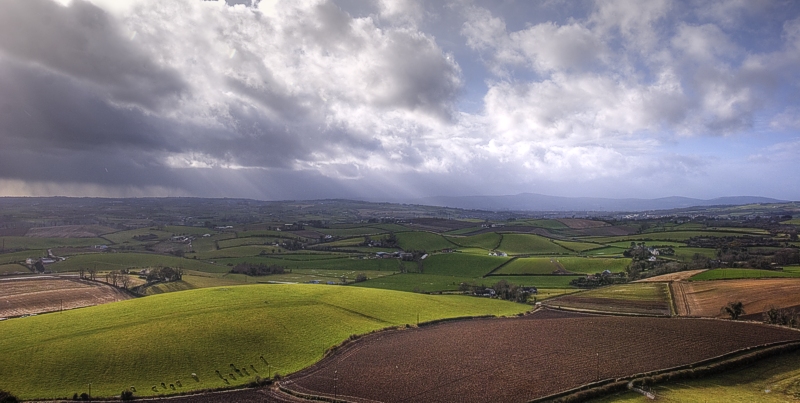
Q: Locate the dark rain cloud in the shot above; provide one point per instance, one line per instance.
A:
(84, 42)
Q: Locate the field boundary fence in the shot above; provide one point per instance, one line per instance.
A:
(697, 369)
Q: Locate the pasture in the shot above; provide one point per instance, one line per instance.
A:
(488, 241)
(426, 241)
(117, 261)
(242, 332)
(560, 264)
(520, 244)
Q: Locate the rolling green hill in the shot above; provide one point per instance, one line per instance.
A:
(168, 337)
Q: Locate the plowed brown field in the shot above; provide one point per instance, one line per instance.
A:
(38, 295)
(519, 359)
(706, 298)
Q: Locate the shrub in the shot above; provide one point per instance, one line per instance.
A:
(126, 395)
(84, 396)
(7, 397)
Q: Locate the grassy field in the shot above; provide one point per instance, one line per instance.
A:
(686, 254)
(16, 257)
(729, 274)
(127, 236)
(165, 338)
(488, 241)
(546, 265)
(632, 292)
(461, 265)
(529, 265)
(578, 246)
(517, 244)
(414, 282)
(653, 237)
(773, 380)
(192, 280)
(423, 241)
(348, 232)
(13, 268)
(607, 251)
(639, 298)
(264, 242)
(536, 281)
(627, 244)
(116, 261)
(339, 263)
(21, 242)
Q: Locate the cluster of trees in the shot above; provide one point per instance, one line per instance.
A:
(257, 269)
(145, 237)
(717, 242)
(598, 279)
(511, 292)
(88, 274)
(412, 256)
(640, 251)
(783, 317)
(389, 241)
(502, 289)
(118, 278)
(644, 269)
(292, 244)
(164, 274)
(757, 259)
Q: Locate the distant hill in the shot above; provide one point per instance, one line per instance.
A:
(538, 202)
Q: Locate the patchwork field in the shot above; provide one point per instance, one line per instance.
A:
(632, 298)
(241, 331)
(48, 294)
(69, 231)
(517, 244)
(519, 359)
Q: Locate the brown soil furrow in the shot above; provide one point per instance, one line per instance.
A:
(519, 359)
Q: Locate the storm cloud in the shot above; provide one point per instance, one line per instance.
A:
(323, 98)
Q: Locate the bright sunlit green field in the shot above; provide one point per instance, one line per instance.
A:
(165, 338)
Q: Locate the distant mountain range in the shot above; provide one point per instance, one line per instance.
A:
(538, 202)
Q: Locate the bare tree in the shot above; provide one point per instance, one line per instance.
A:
(125, 280)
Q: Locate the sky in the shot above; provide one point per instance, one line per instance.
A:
(393, 100)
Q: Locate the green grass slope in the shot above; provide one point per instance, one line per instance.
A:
(426, 241)
(518, 244)
(165, 338)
